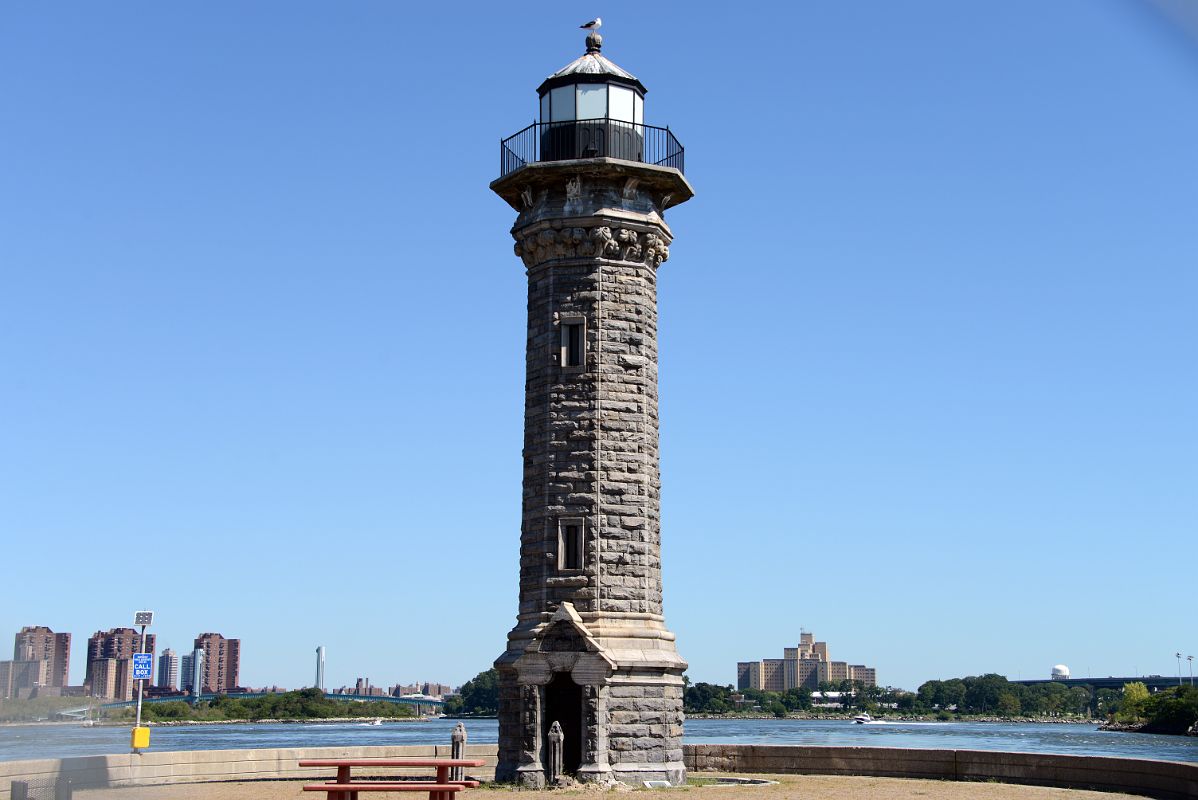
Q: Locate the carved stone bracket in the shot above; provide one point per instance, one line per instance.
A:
(618, 244)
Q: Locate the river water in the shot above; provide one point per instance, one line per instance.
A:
(19, 742)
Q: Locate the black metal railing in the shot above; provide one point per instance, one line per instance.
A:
(590, 138)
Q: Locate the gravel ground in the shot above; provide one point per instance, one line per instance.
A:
(806, 787)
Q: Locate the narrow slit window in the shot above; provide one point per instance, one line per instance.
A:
(573, 344)
(570, 544)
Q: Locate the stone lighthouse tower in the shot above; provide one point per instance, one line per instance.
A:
(590, 650)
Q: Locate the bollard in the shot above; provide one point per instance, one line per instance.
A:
(18, 790)
(553, 769)
(62, 788)
(457, 749)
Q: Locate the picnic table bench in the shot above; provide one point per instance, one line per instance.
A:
(344, 787)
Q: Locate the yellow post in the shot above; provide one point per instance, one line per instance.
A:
(141, 738)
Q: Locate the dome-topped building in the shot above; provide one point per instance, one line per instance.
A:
(1060, 673)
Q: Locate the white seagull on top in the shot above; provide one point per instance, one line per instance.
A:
(593, 25)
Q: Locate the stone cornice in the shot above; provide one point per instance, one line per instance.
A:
(666, 185)
(537, 244)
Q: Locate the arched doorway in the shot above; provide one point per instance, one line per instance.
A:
(563, 704)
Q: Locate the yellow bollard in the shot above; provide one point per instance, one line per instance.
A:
(141, 738)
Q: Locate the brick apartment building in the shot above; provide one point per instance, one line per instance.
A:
(807, 665)
(39, 643)
(110, 662)
(41, 660)
(220, 669)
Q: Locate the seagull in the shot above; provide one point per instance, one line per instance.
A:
(593, 25)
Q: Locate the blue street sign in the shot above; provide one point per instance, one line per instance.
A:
(142, 666)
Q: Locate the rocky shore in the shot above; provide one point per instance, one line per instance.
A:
(1142, 727)
(909, 718)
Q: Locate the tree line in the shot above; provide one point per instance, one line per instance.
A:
(1171, 711)
(1174, 710)
(710, 698)
(301, 704)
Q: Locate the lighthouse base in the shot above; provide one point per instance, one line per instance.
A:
(620, 709)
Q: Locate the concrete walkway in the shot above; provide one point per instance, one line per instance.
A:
(806, 787)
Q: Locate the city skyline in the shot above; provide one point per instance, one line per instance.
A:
(923, 333)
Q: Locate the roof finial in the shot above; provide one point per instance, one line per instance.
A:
(594, 40)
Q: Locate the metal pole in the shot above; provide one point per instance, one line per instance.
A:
(1178, 668)
(141, 648)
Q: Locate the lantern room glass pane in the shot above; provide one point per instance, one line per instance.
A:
(545, 107)
(562, 100)
(638, 109)
(592, 101)
(621, 104)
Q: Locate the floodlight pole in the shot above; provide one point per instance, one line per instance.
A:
(141, 738)
(141, 648)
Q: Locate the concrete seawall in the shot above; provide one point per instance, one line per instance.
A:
(1162, 779)
(204, 766)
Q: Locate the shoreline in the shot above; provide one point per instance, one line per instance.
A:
(409, 720)
(911, 718)
(173, 723)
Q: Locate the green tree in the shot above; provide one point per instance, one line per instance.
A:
(1173, 710)
(797, 698)
(952, 693)
(479, 696)
(1135, 696)
(1008, 704)
(982, 693)
(1108, 702)
(708, 698)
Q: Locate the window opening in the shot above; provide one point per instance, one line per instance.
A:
(573, 343)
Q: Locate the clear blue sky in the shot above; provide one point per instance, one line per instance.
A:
(928, 330)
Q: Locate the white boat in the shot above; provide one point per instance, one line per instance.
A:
(861, 719)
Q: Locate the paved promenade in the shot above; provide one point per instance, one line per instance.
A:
(807, 787)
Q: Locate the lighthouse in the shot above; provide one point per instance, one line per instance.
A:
(591, 182)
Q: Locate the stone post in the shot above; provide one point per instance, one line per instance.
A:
(457, 750)
(553, 765)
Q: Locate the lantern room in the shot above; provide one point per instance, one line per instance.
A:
(592, 108)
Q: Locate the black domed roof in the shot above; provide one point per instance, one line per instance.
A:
(591, 67)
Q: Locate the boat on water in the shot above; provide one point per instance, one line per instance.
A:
(863, 718)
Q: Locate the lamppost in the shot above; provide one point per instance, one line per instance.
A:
(141, 670)
(1178, 668)
(1191, 660)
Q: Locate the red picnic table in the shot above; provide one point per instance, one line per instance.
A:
(343, 787)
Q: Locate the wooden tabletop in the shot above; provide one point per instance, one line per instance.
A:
(392, 762)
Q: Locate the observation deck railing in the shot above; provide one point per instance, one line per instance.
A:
(590, 138)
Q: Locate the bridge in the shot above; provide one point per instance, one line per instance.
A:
(418, 702)
(1154, 683)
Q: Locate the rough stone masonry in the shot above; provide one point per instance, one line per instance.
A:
(590, 649)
